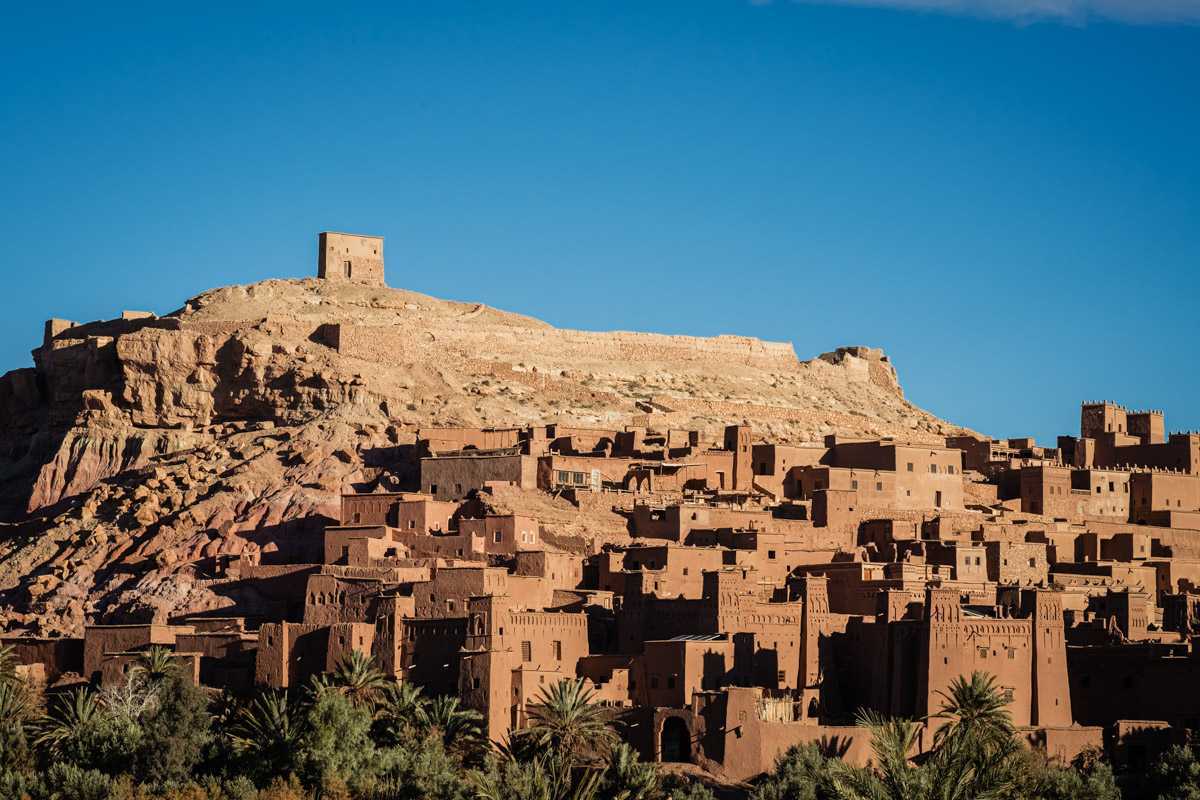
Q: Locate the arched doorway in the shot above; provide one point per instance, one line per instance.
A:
(675, 741)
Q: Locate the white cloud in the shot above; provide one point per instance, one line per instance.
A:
(1149, 12)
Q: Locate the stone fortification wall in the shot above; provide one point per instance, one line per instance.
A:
(567, 347)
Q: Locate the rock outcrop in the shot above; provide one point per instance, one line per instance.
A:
(141, 454)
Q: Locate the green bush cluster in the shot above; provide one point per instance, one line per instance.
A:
(351, 734)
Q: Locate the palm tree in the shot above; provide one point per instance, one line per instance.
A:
(266, 731)
(978, 738)
(16, 709)
(567, 720)
(155, 665)
(547, 776)
(8, 664)
(974, 754)
(356, 677)
(974, 709)
(629, 778)
(15, 702)
(891, 776)
(399, 711)
(458, 727)
(402, 701)
(72, 713)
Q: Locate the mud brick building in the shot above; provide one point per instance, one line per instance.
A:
(729, 594)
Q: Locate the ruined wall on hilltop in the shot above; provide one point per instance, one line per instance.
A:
(372, 343)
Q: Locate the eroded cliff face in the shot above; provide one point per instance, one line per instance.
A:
(140, 454)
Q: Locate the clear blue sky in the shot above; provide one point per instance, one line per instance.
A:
(1008, 205)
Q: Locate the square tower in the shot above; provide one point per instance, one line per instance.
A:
(737, 441)
(1098, 418)
(1149, 426)
(349, 258)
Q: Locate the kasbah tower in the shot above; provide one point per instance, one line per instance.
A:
(350, 258)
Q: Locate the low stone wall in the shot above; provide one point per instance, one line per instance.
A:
(374, 343)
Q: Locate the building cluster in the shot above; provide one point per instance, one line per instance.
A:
(764, 595)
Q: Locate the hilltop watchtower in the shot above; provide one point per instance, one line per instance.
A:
(350, 258)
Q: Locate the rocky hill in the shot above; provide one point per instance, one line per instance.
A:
(140, 451)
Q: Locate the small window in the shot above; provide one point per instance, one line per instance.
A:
(557, 646)
(771, 555)
(526, 651)
(910, 466)
(498, 536)
(853, 484)
(879, 486)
